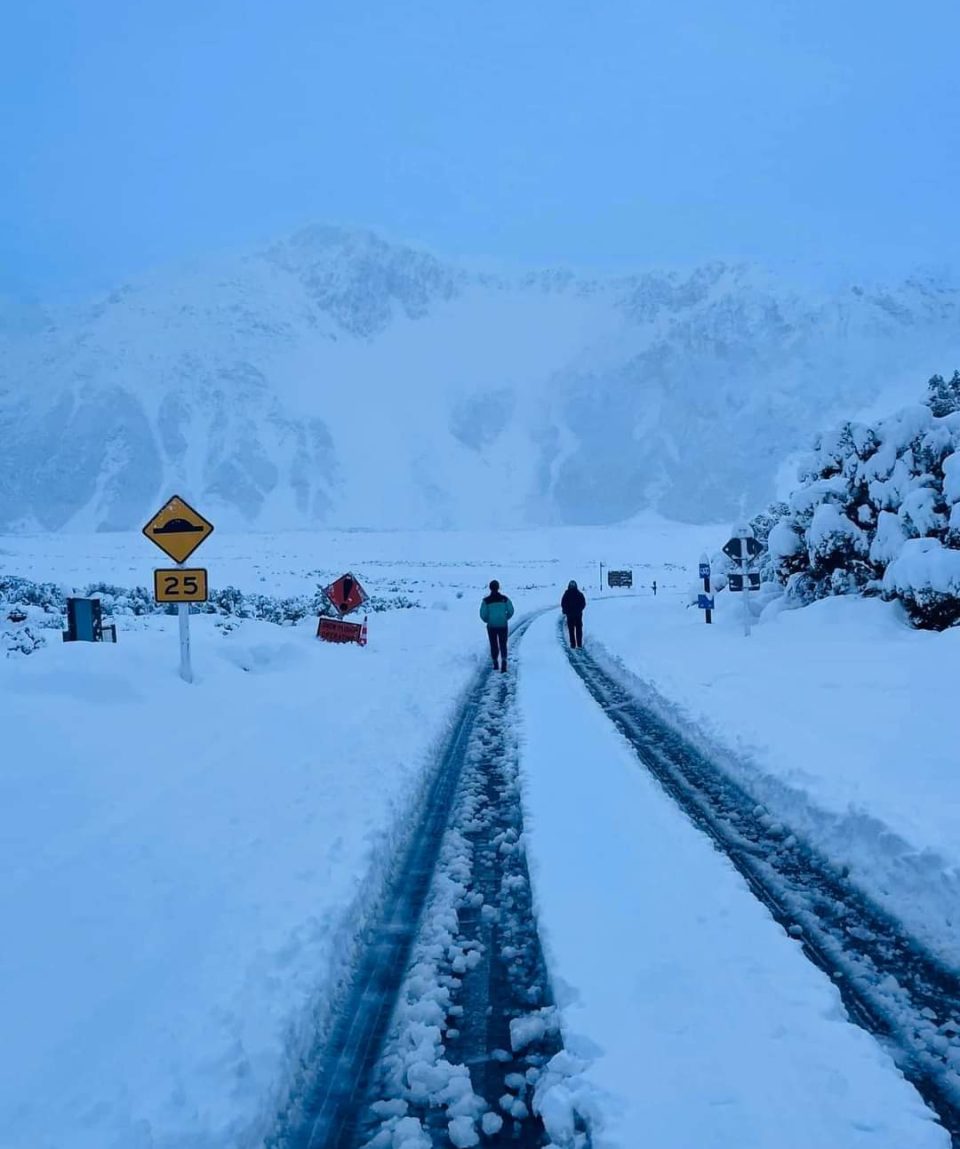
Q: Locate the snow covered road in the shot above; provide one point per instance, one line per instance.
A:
(448, 1031)
(700, 1021)
(192, 872)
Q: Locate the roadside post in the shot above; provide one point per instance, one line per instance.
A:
(744, 548)
(177, 529)
(705, 600)
(601, 578)
(84, 621)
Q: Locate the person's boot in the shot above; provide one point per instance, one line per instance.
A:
(503, 666)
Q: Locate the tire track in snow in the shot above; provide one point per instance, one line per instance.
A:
(891, 985)
(424, 1035)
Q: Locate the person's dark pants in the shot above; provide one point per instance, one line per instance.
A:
(575, 629)
(498, 644)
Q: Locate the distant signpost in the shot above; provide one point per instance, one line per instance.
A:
(705, 600)
(620, 578)
(177, 529)
(744, 548)
(346, 595)
(336, 630)
(737, 583)
(182, 584)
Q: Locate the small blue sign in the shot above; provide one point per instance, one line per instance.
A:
(704, 570)
(705, 601)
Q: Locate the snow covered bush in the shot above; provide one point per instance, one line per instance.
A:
(943, 398)
(26, 610)
(877, 512)
(22, 592)
(136, 600)
(44, 606)
(925, 576)
(20, 640)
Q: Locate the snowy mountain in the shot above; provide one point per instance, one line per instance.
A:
(338, 379)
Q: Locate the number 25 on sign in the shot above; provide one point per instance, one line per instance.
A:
(185, 584)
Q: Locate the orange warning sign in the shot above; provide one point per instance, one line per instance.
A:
(346, 594)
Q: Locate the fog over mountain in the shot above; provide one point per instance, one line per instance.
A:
(337, 379)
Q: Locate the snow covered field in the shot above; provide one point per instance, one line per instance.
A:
(188, 868)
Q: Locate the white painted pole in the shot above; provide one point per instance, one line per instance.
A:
(186, 669)
(744, 566)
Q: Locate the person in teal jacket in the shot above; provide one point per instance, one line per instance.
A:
(496, 610)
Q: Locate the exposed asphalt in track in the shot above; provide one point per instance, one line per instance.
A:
(332, 1107)
(890, 984)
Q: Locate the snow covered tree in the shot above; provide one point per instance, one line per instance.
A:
(878, 512)
(943, 398)
(925, 577)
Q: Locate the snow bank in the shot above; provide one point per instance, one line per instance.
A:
(829, 716)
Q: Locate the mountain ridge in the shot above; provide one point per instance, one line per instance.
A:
(337, 379)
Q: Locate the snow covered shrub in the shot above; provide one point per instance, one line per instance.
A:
(136, 600)
(925, 576)
(837, 552)
(877, 511)
(943, 398)
(45, 604)
(15, 591)
(20, 640)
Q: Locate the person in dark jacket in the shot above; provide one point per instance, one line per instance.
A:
(573, 604)
(496, 610)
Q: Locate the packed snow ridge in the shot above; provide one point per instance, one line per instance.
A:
(336, 379)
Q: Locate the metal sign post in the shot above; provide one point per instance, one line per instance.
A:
(186, 667)
(177, 529)
(705, 575)
(745, 569)
(742, 549)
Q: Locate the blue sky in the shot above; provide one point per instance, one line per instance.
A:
(610, 133)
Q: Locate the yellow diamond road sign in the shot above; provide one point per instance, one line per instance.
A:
(178, 529)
